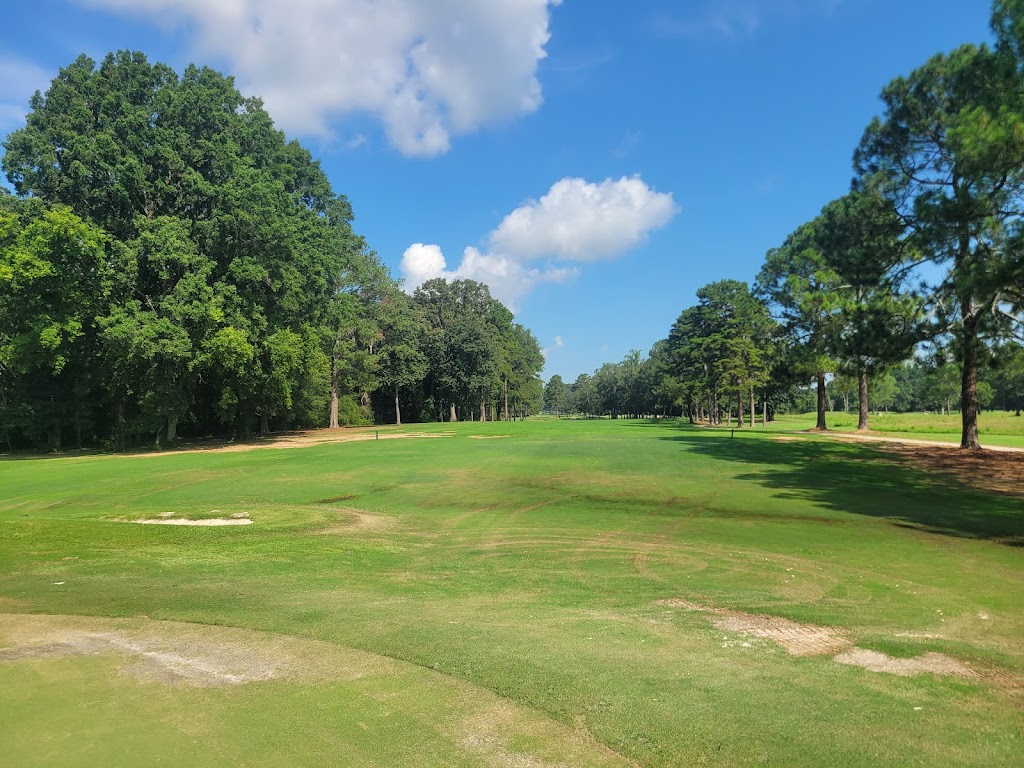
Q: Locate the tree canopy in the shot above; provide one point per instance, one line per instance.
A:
(169, 258)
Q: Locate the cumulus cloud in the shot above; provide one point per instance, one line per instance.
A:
(19, 79)
(580, 221)
(427, 70)
(508, 280)
(576, 221)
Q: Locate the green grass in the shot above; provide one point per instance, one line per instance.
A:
(998, 428)
(498, 601)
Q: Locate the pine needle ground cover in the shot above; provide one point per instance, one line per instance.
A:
(560, 593)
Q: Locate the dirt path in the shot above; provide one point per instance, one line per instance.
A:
(870, 438)
(298, 439)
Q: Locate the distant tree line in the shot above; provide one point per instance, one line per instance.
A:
(939, 183)
(170, 265)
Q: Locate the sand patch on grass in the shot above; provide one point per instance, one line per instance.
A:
(210, 521)
(811, 640)
(358, 520)
(491, 741)
(298, 439)
(797, 639)
(174, 653)
(934, 663)
(487, 437)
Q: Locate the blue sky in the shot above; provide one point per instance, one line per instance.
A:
(594, 161)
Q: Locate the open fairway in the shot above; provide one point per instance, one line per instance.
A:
(584, 593)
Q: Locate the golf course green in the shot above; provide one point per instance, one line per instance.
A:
(526, 594)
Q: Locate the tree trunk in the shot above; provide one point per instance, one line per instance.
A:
(821, 402)
(53, 436)
(122, 432)
(483, 411)
(333, 424)
(172, 430)
(264, 423)
(398, 410)
(969, 380)
(739, 407)
(764, 408)
(506, 398)
(453, 416)
(753, 406)
(862, 386)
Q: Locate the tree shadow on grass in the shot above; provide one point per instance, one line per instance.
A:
(861, 480)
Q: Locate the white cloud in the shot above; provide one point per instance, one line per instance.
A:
(508, 280)
(737, 18)
(421, 263)
(427, 70)
(557, 344)
(576, 221)
(581, 221)
(19, 79)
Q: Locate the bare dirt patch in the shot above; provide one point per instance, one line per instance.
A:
(787, 439)
(497, 753)
(210, 521)
(358, 520)
(810, 640)
(180, 654)
(299, 439)
(934, 663)
(797, 639)
(487, 437)
(492, 732)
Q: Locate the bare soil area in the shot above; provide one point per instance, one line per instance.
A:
(299, 439)
(212, 521)
(181, 654)
(810, 640)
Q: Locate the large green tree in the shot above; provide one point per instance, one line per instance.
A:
(877, 322)
(802, 287)
(237, 270)
(948, 151)
(54, 275)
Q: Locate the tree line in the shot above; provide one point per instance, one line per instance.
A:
(171, 265)
(938, 189)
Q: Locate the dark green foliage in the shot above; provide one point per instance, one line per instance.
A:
(172, 261)
(479, 362)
